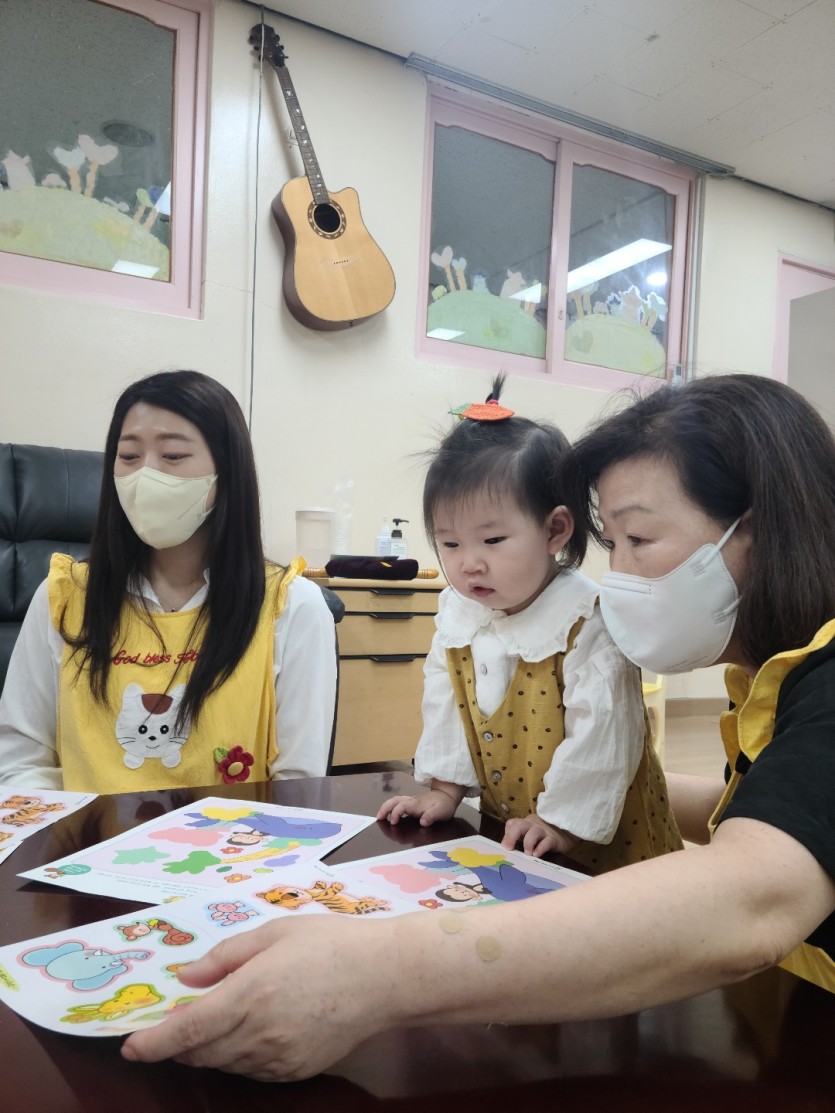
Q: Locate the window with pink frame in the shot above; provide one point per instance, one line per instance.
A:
(102, 149)
(548, 251)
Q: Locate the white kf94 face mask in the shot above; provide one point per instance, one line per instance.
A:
(677, 622)
(164, 510)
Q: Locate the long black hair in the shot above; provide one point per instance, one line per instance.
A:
(514, 458)
(235, 558)
(739, 443)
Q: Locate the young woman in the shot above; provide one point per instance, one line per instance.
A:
(175, 655)
(721, 494)
(526, 698)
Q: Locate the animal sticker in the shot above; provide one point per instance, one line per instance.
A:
(29, 810)
(81, 967)
(225, 913)
(328, 895)
(170, 936)
(123, 1002)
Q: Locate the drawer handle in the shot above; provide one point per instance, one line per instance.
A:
(396, 658)
(391, 591)
(391, 616)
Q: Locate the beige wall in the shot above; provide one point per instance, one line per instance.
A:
(353, 404)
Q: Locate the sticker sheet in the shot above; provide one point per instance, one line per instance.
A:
(468, 871)
(463, 872)
(24, 811)
(118, 975)
(212, 844)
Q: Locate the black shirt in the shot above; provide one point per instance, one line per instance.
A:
(791, 784)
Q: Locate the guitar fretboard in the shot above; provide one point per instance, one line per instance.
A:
(311, 163)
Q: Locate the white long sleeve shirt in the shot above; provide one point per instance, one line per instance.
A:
(304, 668)
(593, 767)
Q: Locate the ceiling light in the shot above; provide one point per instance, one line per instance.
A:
(615, 262)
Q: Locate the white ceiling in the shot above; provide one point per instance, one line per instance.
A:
(747, 83)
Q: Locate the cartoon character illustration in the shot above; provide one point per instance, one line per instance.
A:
(30, 810)
(172, 936)
(497, 877)
(329, 895)
(69, 870)
(82, 967)
(458, 892)
(513, 284)
(18, 170)
(264, 826)
(228, 912)
(124, 1001)
(147, 726)
(132, 932)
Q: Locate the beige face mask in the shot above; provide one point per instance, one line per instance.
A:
(164, 510)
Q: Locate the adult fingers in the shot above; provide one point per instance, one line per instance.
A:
(203, 1025)
(214, 1015)
(228, 956)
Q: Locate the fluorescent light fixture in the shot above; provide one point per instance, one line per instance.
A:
(444, 334)
(531, 293)
(657, 278)
(141, 270)
(615, 261)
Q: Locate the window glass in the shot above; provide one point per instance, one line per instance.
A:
(490, 243)
(619, 262)
(86, 136)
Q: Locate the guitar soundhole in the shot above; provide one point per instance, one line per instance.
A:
(327, 220)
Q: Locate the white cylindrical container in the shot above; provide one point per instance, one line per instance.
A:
(314, 534)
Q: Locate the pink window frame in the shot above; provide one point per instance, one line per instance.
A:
(181, 295)
(566, 147)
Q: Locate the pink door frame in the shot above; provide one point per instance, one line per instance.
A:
(796, 278)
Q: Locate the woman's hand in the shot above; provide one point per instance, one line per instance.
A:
(434, 806)
(280, 1015)
(536, 836)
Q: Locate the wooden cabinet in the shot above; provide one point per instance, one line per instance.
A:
(383, 641)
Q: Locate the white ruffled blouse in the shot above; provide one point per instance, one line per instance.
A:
(604, 726)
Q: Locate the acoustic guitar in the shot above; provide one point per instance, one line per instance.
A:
(335, 275)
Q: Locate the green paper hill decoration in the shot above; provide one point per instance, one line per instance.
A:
(66, 226)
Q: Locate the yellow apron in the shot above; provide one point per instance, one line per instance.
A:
(132, 743)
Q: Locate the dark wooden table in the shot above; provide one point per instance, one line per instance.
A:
(759, 1047)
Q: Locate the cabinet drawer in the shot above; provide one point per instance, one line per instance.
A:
(362, 600)
(363, 635)
(379, 711)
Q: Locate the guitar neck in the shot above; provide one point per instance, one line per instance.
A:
(311, 163)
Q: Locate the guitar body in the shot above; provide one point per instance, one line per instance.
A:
(335, 275)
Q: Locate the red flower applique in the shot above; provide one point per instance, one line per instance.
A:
(234, 765)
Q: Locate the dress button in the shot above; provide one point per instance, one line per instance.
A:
(482, 669)
(504, 807)
(488, 737)
(496, 776)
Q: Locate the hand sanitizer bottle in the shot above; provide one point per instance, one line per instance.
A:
(398, 546)
(382, 545)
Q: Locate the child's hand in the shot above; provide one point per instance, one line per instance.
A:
(430, 807)
(536, 836)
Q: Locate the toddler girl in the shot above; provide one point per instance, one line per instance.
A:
(527, 701)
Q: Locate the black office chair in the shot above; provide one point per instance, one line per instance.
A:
(48, 503)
